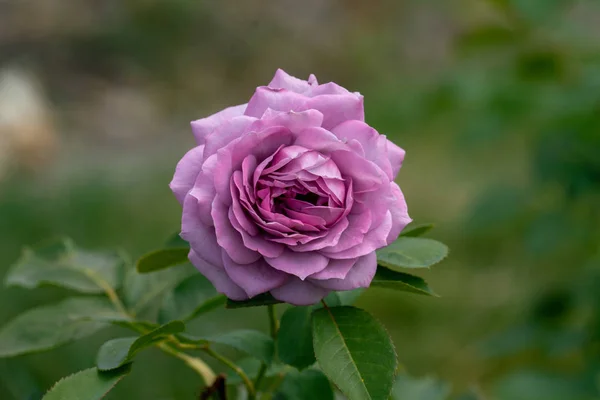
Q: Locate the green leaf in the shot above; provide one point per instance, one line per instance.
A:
(355, 352)
(89, 384)
(410, 252)
(47, 327)
(414, 230)
(409, 388)
(389, 279)
(118, 352)
(60, 263)
(344, 298)
(192, 297)
(310, 384)
(162, 259)
(294, 339)
(140, 289)
(264, 299)
(253, 343)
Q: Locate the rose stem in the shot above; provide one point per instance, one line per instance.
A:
(235, 368)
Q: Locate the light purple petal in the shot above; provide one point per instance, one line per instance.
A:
(298, 264)
(373, 240)
(358, 227)
(299, 293)
(396, 157)
(283, 80)
(337, 108)
(227, 132)
(365, 174)
(257, 243)
(186, 172)
(374, 145)
(359, 276)
(203, 127)
(336, 269)
(399, 212)
(275, 99)
(228, 238)
(200, 237)
(295, 121)
(332, 238)
(204, 190)
(255, 278)
(218, 277)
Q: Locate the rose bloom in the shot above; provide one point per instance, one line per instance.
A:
(290, 194)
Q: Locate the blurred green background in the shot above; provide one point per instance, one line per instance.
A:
(496, 102)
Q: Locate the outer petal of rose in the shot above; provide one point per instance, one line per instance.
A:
(365, 174)
(218, 278)
(256, 278)
(337, 108)
(276, 99)
(299, 264)
(201, 238)
(202, 127)
(226, 132)
(373, 240)
(396, 157)
(374, 145)
(328, 88)
(360, 276)
(399, 212)
(283, 80)
(299, 293)
(336, 269)
(295, 121)
(354, 234)
(228, 238)
(186, 172)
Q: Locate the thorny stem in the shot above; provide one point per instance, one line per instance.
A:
(247, 382)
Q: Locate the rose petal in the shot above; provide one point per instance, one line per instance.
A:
(200, 237)
(359, 276)
(396, 157)
(373, 240)
(275, 99)
(203, 127)
(337, 108)
(295, 121)
(265, 247)
(228, 238)
(186, 172)
(299, 293)
(255, 278)
(399, 212)
(298, 264)
(227, 132)
(218, 277)
(282, 80)
(336, 269)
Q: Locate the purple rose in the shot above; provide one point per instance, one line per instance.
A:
(290, 194)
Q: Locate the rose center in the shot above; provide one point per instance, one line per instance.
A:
(309, 197)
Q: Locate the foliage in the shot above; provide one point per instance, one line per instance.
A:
(341, 343)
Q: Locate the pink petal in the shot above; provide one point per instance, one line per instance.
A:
(295, 121)
(336, 269)
(282, 80)
(275, 99)
(299, 293)
(228, 238)
(203, 127)
(399, 212)
(186, 172)
(396, 157)
(255, 278)
(218, 278)
(359, 276)
(257, 243)
(337, 108)
(227, 132)
(365, 174)
(201, 238)
(298, 264)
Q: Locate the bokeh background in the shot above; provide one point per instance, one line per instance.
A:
(497, 103)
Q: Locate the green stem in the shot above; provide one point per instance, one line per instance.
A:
(261, 374)
(247, 382)
(194, 363)
(273, 323)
